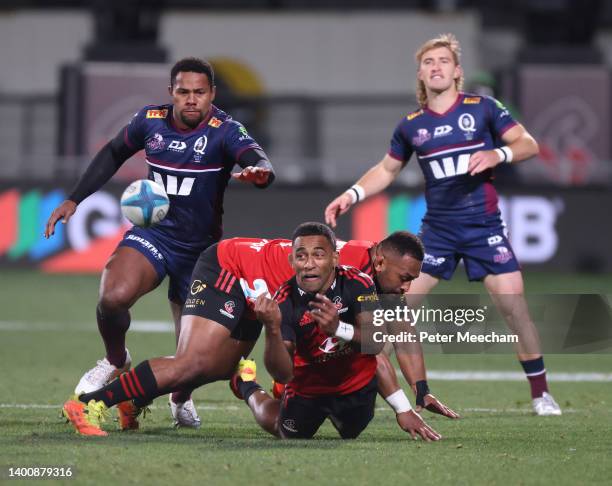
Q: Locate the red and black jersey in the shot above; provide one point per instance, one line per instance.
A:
(263, 265)
(326, 365)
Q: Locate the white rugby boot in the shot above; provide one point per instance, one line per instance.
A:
(101, 374)
(546, 405)
(184, 414)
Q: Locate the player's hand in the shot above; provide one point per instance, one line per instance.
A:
(268, 312)
(412, 423)
(436, 406)
(325, 314)
(337, 207)
(256, 175)
(482, 160)
(64, 211)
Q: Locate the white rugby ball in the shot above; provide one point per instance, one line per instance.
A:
(145, 203)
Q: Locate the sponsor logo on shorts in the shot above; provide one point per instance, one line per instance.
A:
(197, 286)
(193, 303)
(421, 137)
(432, 260)
(157, 113)
(146, 244)
(494, 240)
(215, 122)
(228, 309)
(503, 255)
(289, 424)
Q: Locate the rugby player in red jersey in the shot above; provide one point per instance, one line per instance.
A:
(219, 324)
(315, 353)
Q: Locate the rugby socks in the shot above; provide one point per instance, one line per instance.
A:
(536, 374)
(113, 327)
(247, 388)
(138, 384)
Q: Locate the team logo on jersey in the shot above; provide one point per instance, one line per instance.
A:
(157, 113)
(215, 122)
(156, 143)
(200, 145)
(503, 255)
(412, 116)
(228, 309)
(422, 136)
(177, 146)
(472, 101)
(330, 344)
(197, 286)
(467, 124)
(442, 131)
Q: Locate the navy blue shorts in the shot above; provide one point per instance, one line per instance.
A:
(167, 257)
(483, 246)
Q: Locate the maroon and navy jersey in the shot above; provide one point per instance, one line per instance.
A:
(443, 144)
(193, 166)
(322, 364)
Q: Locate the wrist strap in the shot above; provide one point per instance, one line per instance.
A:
(356, 192)
(345, 331)
(422, 390)
(399, 402)
(505, 154)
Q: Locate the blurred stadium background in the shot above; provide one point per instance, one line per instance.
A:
(321, 84)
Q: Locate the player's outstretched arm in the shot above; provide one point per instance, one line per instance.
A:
(412, 423)
(277, 359)
(412, 364)
(375, 180)
(64, 212)
(256, 168)
(106, 162)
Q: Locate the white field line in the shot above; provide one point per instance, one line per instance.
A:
(135, 326)
(44, 406)
(513, 376)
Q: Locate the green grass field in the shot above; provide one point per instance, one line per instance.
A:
(48, 338)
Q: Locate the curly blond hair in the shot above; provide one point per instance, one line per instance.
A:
(443, 40)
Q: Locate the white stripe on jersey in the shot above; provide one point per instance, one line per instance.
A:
(183, 170)
(450, 151)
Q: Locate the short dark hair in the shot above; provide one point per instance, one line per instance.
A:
(315, 229)
(192, 65)
(404, 243)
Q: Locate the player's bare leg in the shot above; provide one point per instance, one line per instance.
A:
(507, 292)
(266, 411)
(127, 276)
(182, 408)
(205, 353)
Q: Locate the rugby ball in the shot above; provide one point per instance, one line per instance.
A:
(144, 203)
